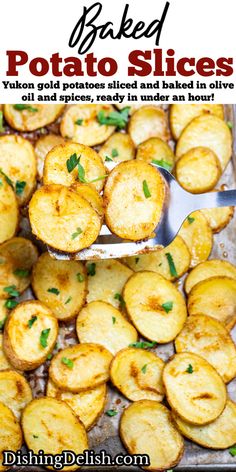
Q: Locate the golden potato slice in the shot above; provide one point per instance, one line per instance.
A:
(147, 427)
(218, 218)
(50, 425)
(60, 285)
(207, 269)
(103, 322)
(32, 116)
(181, 115)
(216, 297)
(42, 148)
(89, 193)
(137, 373)
(207, 131)
(148, 122)
(30, 335)
(107, 280)
(10, 433)
(15, 391)
(155, 149)
(208, 338)
(171, 262)
(133, 106)
(3, 313)
(18, 162)
(4, 362)
(194, 389)
(119, 147)
(63, 219)
(9, 213)
(220, 434)
(80, 367)
(88, 405)
(198, 170)
(197, 234)
(17, 257)
(69, 163)
(155, 306)
(80, 124)
(134, 214)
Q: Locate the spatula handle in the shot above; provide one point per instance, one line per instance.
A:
(213, 200)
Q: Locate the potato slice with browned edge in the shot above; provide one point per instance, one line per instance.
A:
(81, 125)
(103, 322)
(30, 335)
(9, 213)
(157, 150)
(219, 434)
(42, 148)
(89, 193)
(148, 122)
(147, 427)
(4, 362)
(80, 367)
(171, 262)
(181, 115)
(10, 433)
(62, 219)
(194, 389)
(60, 285)
(207, 131)
(155, 306)
(31, 117)
(137, 373)
(134, 214)
(197, 234)
(3, 313)
(198, 170)
(119, 147)
(69, 163)
(216, 297)
(207, 269)
(51, 425)
(208, 338)
(15, 391)
(218, 218)
(17, 257)
(87, 405)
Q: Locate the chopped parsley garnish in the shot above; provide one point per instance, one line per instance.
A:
(20, 186)
(111, 412)
(167, 306)
(230, 124)
(68, 300)
(44, 337)
(11, 303)
(146, 190)
(22, 107)
(8, 180)
(114, 118)
(232, 451)
(119, 297)
(91, 269)
(21, 272)
(79, 122)
(32, 321)
(144, 369)
(49, 357)
(162, 163)
(76, 233)
(1, 122)
(80, 277)
(72, 162)
(113, 320)
(136, 260)
(81, 172)
(108, 159)
(2, 322)
(11, 290)
(114, 153)
(173, 271)
(1, 183)
(143, 344)
(53, 290)
(189, 369)
(34, 436)
(190, 219)
(68, 362)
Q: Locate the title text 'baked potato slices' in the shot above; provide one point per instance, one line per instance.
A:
(103, 322)
(171, 262)
(80, 124)
(87, 405)
(17, 256)
(155, 149)
(15, 391)
(60, 285)
(89, 193)
(137, 373)
(194, 389)
(197, 234)
(218, 218)
(155, 306)
(118, 148)
(215, 297)
(147, 427)
(220, 434)
(181, 115)
(80, 367)
(207, 131)
(198, 170)
(30, 335)
(4, 362)
(50, 425)
(208, 338)
(42, 148)
(18, 162)
(207, 269)
(62, 219)
(148, 122)
(9, 213)
(10, 433)
(31, 117)
(134, 196)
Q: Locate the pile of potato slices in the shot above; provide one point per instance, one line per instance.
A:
(74, 333)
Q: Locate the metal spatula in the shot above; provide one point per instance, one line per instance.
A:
(178, 205)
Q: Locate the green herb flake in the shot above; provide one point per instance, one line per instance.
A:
(80, 277)
(111, 412)
(173, 271)
(114, 153)
(162, 163)
(91, 269)
(79, 122)
(144, 369)
(1, 123)
(68, 362)
(20, 186)
(136, 260)
(68, 300)
(11, 303)
(230, 124)
(108, 159)
(53, 290)
(35, 436)
(98, 178)
(232, 450)
(44, 337)
(190, 219)
(119, 297)
(72, 162)
(143, 344)
(189, 369)
(21, 272)
(2, 322)
(32, 321)
(146, 190)
(1, 183)
(81, 172)
(49, 357)
(76, 233)
(8, 180)
(113, 320)
(114, 118)
(22, 107)
(167, 306)
(11, 290)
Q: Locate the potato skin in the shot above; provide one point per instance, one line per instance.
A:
(218, 218)
(10, 433)
(29, 120)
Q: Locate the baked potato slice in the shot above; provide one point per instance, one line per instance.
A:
(51, 425)
(207, 269)
(62, 219)
(101, 321)
(9, 213)
(197, 234)
(10, 433)
(118, 148)
(134, 214)
(4, 362)
(155, 306)
(89, 193)
(42, 147)
(31, 117)
(30, 335)
(181, 115)
(155, 149)
(80, 124)
(147, 427)
(80, 367)
(218, 218)
(148, 122)
(15, 391)
(87, 405)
